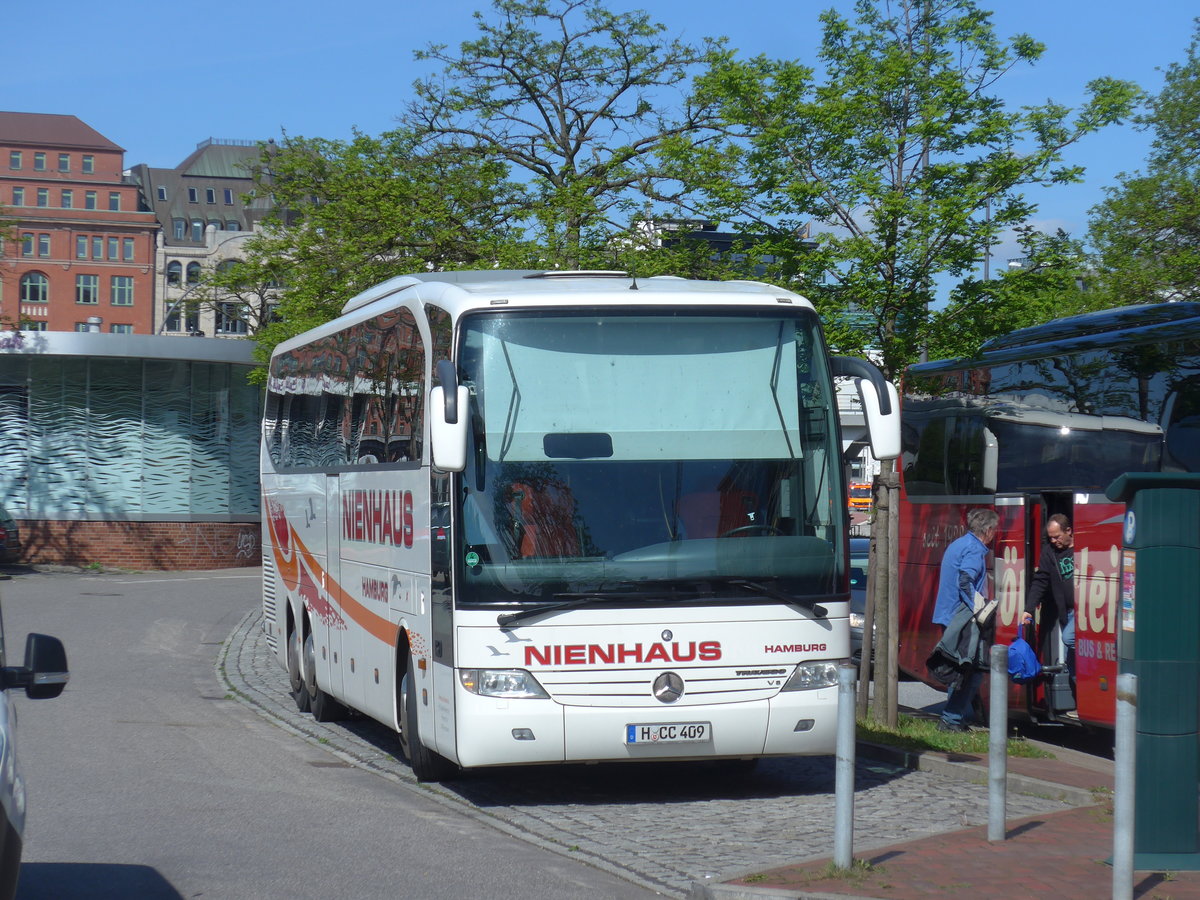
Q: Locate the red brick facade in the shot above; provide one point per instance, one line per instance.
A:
(77, 227)
(141, 545)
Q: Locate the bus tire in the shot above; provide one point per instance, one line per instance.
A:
(295, 673)
(426, 765)
(323, 707)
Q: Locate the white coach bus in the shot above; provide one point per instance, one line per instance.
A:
(564, 516)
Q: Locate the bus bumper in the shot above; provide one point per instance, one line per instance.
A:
(506, 732)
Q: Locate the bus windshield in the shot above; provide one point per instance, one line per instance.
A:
(686, 454)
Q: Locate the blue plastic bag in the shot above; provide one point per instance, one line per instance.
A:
(1023, 665)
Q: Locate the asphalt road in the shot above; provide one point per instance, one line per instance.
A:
(146, 780)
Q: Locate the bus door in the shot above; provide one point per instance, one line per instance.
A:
(329, 650)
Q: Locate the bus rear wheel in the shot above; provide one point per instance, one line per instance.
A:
(323, 707)
(426, 765)
(295, 676)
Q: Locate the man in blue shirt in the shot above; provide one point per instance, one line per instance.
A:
(963, 575)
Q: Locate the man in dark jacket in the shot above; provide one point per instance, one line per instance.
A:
(1053, 588)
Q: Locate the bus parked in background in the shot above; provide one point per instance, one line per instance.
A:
(1041, 423)
(550, 517)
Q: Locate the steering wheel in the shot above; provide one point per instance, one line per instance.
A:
(752, 529)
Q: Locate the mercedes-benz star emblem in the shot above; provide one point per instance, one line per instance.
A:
(668, 687)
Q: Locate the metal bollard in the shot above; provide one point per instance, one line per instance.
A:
(843, 817)
(997, 742)
(1124, 786)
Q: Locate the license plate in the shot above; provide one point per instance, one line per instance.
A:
(673, 733)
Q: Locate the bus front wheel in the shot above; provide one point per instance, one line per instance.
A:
(426, 765)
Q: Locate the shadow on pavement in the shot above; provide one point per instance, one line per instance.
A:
(92, 881)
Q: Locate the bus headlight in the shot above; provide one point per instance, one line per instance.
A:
(857, 620)
(508, 683)
(811, 676)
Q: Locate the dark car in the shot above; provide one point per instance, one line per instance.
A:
(44, 675)
(10, 538)
(860, 550)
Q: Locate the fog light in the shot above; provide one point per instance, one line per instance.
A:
(523, 734)
(805, 725)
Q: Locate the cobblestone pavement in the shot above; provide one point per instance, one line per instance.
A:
(662, 826)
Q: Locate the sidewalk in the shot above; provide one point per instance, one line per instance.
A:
(1059, 856)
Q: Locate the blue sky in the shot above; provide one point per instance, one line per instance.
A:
(157, 78)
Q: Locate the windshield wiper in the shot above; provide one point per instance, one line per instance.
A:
(757, 587)
(574, 601)
(644, 591)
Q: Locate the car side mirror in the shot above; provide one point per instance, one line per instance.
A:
(45, 673)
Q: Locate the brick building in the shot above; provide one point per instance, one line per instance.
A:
(80, 248)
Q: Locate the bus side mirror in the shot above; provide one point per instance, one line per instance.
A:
(448, 439)
(882, 427)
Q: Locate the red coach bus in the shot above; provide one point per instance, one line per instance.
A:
(1041, 423)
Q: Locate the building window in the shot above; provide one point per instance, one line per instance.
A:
(233, 226)
(14, 159)
(162, 192)
(82, 326)
(230, 319)
(214, 224)
(43, 197)
(33, 326)
(39, 162)
(81, 242)
(122, 290)
(27, 244)
(127, 249)
(68, 199)
(87, 289)
(64, 162)
(197, 230)
(97, 247)
(43, 245)
(179, 229)
(35, 288)
(193, 197)
(193, 273)
(89, 200)
(121, 329)
(114, 248)
(210, 195)
(18, 196)
(89, 164)
(114, 201)
(229, 196)
(174, 272)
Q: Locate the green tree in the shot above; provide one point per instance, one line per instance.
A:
(1055, 279)
(570, 94)
(351, 214)
(1147, 231)
(900, 152)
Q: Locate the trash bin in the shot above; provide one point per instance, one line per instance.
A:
(1158, 640)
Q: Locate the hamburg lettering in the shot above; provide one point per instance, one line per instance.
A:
(378, 517)
(594, 654)
(794, 648)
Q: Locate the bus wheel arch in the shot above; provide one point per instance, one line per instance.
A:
(426, 764)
